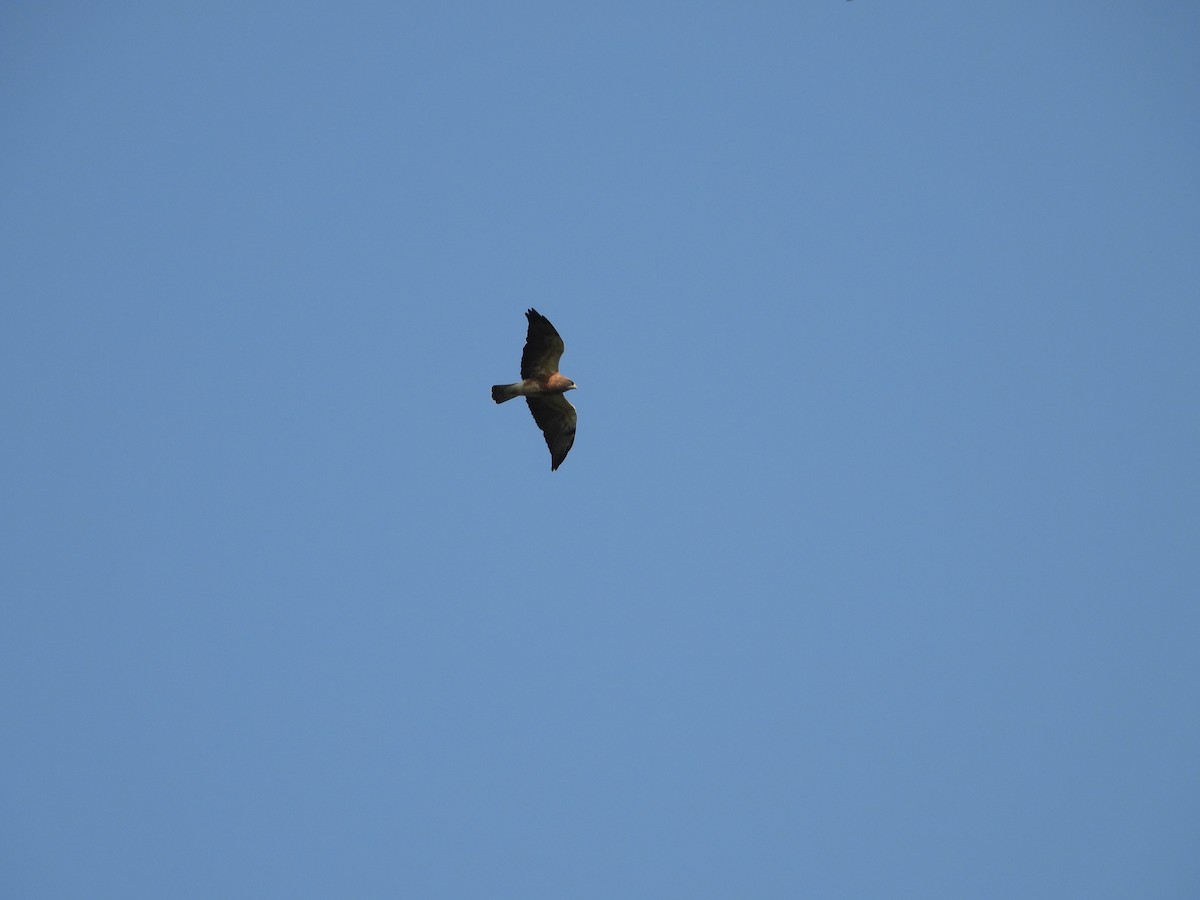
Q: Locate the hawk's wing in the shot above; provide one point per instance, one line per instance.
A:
(555, 415)
(543, 348)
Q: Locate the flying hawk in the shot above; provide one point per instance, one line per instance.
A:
(543, 387)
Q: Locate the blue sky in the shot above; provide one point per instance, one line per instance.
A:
(872, 573)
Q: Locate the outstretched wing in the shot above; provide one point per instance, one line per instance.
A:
(543, 348)
(555, 415)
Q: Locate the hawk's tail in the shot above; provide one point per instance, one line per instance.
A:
(502, 392)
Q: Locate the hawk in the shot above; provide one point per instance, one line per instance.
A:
(543, 386)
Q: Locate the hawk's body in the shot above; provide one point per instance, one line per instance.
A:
(543, 386)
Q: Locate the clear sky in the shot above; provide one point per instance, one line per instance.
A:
(874, 570)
